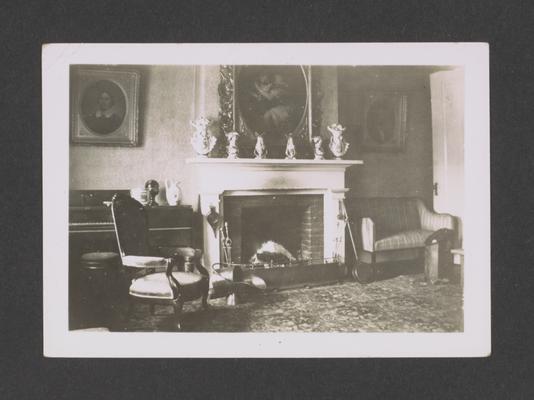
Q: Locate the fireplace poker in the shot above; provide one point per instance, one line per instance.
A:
(221, 230)
(347, 221)
(227, 244)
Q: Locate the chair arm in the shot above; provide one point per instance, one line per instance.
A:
(176, 288)
(368, 234)
(144, 262)
(190, 255)
(433, 221)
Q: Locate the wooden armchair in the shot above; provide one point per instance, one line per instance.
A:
(156, 282)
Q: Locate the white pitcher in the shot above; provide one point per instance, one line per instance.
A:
(173, 192)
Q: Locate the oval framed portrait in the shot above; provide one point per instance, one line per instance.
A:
(104, 106)
(273, 101)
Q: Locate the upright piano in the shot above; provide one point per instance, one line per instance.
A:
(91, 224)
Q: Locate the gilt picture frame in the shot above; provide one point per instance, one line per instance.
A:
(385, 121)
(270, 100)
(104, 106)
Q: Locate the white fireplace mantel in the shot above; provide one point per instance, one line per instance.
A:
(215, 178)
(220, 174)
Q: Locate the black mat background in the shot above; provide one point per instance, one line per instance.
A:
(507, 26)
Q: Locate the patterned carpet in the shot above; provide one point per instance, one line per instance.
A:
(404, 303)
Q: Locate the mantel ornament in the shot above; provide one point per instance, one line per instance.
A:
(291, 152)
(338, 146)
(202, 141)
(232, 148)
(260, 151)
(318, 148)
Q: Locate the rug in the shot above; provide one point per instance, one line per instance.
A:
(403, 303)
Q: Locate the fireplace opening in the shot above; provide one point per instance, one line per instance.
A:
(293, 223)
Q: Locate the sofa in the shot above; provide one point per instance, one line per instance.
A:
(393, 229)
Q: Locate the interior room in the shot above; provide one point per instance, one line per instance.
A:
(266, 198)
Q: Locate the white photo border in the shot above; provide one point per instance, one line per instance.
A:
(475, 341)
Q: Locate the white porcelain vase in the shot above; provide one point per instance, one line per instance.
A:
(173, 192)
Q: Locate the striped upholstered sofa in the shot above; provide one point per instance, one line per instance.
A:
(393, 229)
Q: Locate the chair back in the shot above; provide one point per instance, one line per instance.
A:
(131, 225)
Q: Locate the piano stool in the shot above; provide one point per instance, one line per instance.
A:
(99, 273)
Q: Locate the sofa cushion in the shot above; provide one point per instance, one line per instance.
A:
(156, 286)
(403, 240)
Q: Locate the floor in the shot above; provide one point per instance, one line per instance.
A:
(403, 303)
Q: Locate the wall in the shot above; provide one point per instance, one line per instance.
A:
(167, 104)
(171, 96)
(407, 173)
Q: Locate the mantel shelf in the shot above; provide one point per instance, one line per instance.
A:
(274, 164)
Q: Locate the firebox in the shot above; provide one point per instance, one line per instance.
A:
(294, 222)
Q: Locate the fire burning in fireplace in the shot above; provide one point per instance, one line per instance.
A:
(271, 252)
(277, 229)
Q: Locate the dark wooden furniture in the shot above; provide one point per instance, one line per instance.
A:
(91, 224)
(99, 272)
(91, 229)
(170, 287)
(438, 256)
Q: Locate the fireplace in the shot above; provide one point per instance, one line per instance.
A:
(293, 221)
(296, 202)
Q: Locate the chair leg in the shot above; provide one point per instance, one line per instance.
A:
(365, 272)
(205, 293)
(178, 304)
(373, 267)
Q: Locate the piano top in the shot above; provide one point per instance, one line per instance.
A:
(90, 211)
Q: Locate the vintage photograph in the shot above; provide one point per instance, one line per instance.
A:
(270, 198)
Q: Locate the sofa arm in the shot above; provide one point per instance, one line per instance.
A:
(441, 235)
(432, 221)
(368, 234)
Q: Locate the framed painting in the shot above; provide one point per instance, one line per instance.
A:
(269, 100)
(104, 107)
(384, 122)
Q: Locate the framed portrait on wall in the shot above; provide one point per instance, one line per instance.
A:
(104, 107)
(384, 121)
(269, 100)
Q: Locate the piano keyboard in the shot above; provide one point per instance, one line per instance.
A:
(90, 223)
(83, 227)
